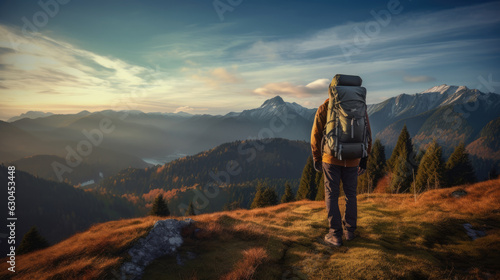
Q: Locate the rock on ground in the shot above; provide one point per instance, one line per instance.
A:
(163, 239)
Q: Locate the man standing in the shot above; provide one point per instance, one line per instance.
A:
(338, 160)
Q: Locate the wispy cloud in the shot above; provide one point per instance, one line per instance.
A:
(185, 109)
(218, 76)
(418, 79)
(50, 65)
(289, 89)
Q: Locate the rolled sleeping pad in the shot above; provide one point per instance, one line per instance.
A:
(346, 80)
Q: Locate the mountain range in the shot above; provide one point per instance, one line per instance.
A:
(451, 114)
(439, 111)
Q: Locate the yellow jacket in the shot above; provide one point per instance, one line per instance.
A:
(317, 136)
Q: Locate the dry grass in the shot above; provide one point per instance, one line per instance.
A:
(482, 199)
(398, 239)
(245, 269)
(88, 255)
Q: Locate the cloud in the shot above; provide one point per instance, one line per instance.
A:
(320, 84)
(264, 50)
(418, 79)
(218, 76)
(223, 75)
(185, 109)
(288, 89)
(40, 64)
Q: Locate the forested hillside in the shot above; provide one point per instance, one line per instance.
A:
(59, 210)
(234, 169)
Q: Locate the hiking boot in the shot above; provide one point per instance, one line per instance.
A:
(333, 239)
(349, 235)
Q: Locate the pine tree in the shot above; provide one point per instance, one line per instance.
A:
(404, 142)
(160, 207)
(258, 201)
(269, 196)
(320, 183)
(431, 169)
(401, 163)
(419, 156)
(190, 210)
(402, 174)
(375, 168)
(459, 169)
(307, 187)
(288, 195)
(265, 196)
(32, 241)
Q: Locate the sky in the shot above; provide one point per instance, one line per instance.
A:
(213, 57)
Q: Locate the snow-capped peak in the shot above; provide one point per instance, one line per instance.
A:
(275, 101)
(273, 107)
(414, 104)
(445, 89)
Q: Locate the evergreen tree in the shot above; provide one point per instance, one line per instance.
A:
(431, 169)
(459, 169)
(404, 143)
(402, 174)
(258, 201)
(307, 187)
(375, 168)
(32, 241)
(401, 163)
(269, 196)
(160, 207)
(419, 156)
(265, 196)
(288, 195)
(320, 183)
(190, 210)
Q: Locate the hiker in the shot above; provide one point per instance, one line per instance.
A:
(340, 142)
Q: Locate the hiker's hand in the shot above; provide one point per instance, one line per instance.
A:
(362, 166)
(361, 171)
(317, 166)
(362, 162)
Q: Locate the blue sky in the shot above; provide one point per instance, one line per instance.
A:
(183, 55)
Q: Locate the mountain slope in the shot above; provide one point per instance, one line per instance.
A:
(275, 107)
(16, 143)
(225, 176)
(101, 163)
(406, 106)
(449, 114)
(58, 209)
(398, 239)
(247, 160)
(274, 118)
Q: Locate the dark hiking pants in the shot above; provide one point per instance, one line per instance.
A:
(349, 176)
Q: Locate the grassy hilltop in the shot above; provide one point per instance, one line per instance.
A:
(398, 239)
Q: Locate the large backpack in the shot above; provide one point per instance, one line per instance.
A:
(346, 134)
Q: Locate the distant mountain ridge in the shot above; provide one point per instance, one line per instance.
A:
(273, 107)
(448, 113)
(31, 115)
(410, 105)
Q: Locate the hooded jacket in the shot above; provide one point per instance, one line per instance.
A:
(317, 136)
